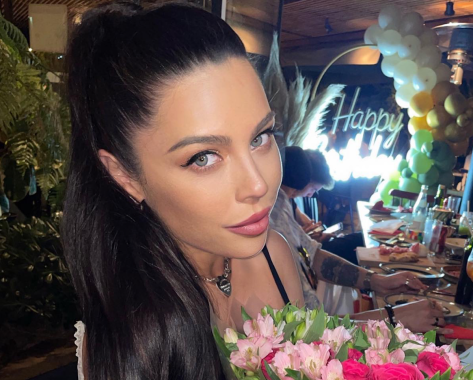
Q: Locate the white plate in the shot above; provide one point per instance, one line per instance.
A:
(423, 273)
(451, 309)
(455, 243)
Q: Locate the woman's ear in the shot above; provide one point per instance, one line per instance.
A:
(121, 175)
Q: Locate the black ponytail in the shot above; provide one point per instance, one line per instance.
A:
(146, 315)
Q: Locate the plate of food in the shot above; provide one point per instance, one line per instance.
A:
(450, 309)
(423, 273)
(452, 272)
(455, 243)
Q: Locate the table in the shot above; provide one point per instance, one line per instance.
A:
(370, 260)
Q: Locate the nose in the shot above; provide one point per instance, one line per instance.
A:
(251, 184)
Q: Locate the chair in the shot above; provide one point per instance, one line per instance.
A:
(409, 196)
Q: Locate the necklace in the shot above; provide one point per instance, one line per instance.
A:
(222, 282)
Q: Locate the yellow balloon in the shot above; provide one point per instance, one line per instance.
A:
(438, 117)
(441, 91)
(439, 134)
(418, 123)
(421, 103)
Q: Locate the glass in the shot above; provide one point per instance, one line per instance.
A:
(454, 204)
(463, 227)
(436, 231)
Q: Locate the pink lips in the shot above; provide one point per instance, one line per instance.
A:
(254, 225)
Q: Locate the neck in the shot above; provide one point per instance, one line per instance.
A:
(289, 191)
(206, 264)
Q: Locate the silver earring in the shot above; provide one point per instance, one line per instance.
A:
(139, 204)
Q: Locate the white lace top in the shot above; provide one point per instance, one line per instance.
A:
(79, 335)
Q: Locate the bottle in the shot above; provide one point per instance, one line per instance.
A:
(440, 197)
(428, 228)
(464, 294)
(419, 212)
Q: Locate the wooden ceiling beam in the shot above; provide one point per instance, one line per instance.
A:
(339, 38)
(7, 9)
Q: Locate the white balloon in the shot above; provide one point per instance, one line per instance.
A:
(405, 71)
(444, 73)
(409, 48)
(405, 94)
(392, 26)
(429, 37)
(425, 79)
(388, 64)
(372, 34)
(390, 14)
(411, 23)
(429, 56)
(388, 42)
(397, 85)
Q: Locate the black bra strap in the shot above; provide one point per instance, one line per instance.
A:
(277, 280)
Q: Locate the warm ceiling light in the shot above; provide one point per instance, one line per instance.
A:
(449, 11)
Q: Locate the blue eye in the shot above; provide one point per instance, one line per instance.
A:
(261, 139)
(203, 160)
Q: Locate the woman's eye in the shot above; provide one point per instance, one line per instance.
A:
(207, 159)
(260, 140)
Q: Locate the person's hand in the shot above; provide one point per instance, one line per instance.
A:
(421, 316)
(326, 237)
(396, 283)
(309, 227)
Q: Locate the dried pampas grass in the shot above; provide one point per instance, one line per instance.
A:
(296, 115)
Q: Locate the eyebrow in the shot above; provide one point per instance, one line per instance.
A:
(217, 139)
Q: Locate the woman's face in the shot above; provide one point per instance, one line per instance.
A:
(210, 165)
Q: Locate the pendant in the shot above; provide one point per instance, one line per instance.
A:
(224, 285)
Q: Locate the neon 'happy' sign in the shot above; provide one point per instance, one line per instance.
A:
(384, 128)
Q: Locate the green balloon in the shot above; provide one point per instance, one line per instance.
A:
(446, 178)
(384, 189)
(410, 153)
(427, 147)
(420, 163)
(402, 165)
(409, 184)
(447, 164)
(421, 137)
(407, 173)
(442, 150)
(429, 178)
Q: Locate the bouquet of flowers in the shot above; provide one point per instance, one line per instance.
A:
(301, 344)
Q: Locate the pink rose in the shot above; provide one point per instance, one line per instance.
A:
(402, 371)
(353, 370)
(354, 354)
(431, 363)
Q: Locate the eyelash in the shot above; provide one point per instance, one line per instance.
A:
(194, 158)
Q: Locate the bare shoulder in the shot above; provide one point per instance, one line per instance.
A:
(285, 264)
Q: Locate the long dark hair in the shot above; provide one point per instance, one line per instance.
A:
(146, 314)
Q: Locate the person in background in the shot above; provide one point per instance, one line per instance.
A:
(316, 263)
(320, 178)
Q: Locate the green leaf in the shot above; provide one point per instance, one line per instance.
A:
(304, 377)
(436, 376)
(296, 375)
(411, 356)
(470, 375)
(446, 374)
(271, 373)
(362, 360)
(290, 328)
(231, 346)
(270, 312)
(346, 322)
(317, 328)
(343, 353)
(361, 341)
(454, 345)
(331, 324)
(429, 337)
(394, 343)
(220, 343)
(245, 315)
